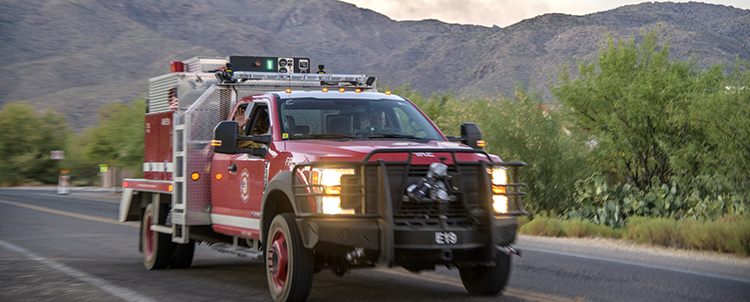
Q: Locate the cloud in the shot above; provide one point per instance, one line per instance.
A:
(482, 12)
(498, 12)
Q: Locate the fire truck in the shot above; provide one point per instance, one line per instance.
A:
(305, 171)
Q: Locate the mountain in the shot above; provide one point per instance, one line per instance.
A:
(76, 56)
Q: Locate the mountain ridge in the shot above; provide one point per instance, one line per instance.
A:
(77, 56)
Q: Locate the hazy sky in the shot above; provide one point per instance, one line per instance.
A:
(498, 12)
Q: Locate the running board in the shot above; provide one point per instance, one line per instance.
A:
(237, 250)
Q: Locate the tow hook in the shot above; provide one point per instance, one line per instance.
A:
(510, 250)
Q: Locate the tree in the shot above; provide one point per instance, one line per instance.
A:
(726, 116)
(26, 139)
(518, 129)
(118, 139)
(632, 104)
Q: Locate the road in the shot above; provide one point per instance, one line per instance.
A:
(72, 248)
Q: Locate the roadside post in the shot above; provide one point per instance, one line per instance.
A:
(63, 184)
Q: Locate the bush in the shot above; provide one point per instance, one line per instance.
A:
(26, 139)
(553, 227)
(730, 234)
(543, 226)
(522, 220)
(657, 231)
(612, 205)
(517, 128)
(582, 228)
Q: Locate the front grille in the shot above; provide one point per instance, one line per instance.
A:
(465, 185)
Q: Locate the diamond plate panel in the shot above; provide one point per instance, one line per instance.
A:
(200, 120)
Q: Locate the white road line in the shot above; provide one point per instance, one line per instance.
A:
(120, 292)
(679, 270)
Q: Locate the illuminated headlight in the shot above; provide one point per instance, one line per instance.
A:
(332, 205)
(330, 179)
(499, 176)
(500, 203)
(499, 179)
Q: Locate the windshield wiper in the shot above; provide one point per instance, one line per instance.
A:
(322, 136)
(407, 136)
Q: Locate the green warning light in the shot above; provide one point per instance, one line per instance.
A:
(269, 64)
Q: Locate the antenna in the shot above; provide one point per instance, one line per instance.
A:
(359, 55)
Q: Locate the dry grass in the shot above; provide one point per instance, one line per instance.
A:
(730, 234)
(552, 227)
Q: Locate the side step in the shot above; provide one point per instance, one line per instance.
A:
(240, 251)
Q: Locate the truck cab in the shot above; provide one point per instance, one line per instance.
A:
(328, 173)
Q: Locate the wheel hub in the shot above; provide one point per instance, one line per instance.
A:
(149, 237)
(278, 260)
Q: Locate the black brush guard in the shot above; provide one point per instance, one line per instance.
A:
(385, 220)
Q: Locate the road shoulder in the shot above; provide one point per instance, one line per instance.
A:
(714, 264)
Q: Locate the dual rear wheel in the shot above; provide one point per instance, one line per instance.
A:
(159, 252)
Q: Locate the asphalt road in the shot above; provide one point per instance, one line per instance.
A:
(72, 248)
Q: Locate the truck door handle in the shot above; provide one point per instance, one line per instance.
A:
(233, 168)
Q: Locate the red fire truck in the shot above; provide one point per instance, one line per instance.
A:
(309, 171)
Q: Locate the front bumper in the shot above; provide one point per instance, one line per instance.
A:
(386, 246)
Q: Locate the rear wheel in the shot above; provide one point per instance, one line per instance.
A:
(159, 252)
(289, 265)
(487, 280)
(182, 257)
(157, 247)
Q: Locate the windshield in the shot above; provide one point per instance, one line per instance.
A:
(310, 118)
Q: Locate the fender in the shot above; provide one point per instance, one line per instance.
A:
(129, 211)
(281, 182)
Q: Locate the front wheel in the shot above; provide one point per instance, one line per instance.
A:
(487, 280)
(289, 265)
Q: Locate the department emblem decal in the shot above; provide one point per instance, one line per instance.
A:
(244, 185)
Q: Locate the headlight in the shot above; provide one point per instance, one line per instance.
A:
(499, 176)
(499, 179)
(330, 179)
(329, 176)
(500, 203)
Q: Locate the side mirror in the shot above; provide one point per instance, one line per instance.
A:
(225, 140)
(225, 137)
(472, 136)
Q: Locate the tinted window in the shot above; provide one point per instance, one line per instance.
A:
(354, 119)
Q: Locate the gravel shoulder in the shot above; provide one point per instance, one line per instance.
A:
(715, 264)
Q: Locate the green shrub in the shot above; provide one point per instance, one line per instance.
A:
(517, 128)
(522, 220)
(730, 234)
(26, 139)
(553, 227)
(612, 205)
(543, 226)
(657, 231)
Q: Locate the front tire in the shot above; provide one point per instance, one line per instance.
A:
(289, 265)
(487, 280)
